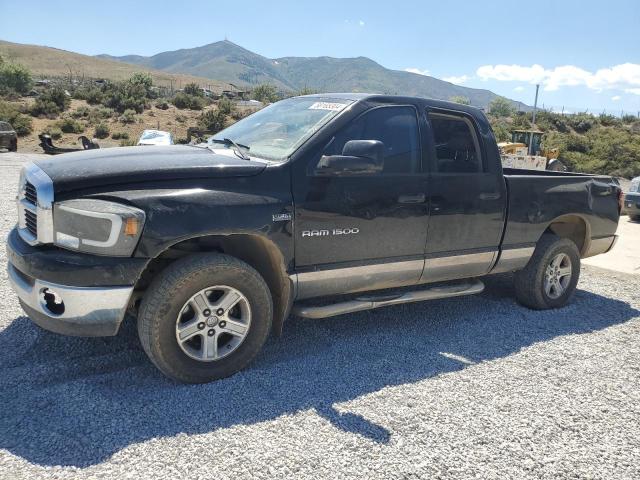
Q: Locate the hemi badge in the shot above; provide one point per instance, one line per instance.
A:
(282, 217)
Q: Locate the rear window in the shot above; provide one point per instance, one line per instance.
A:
(635, 185)
(5, 127)
(457, 146)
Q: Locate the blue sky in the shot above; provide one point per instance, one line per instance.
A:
(586, 54)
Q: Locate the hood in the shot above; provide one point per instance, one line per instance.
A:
(113, 166)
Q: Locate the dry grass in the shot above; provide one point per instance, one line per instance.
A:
(52, 62)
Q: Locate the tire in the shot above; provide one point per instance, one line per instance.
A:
(533, 282)
(14, 145)
(181, 294)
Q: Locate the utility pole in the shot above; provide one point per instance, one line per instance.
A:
(533, 120)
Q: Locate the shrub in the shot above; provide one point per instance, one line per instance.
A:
(212, 120)
(132, 94)
(51, 103)
(521, 121)
(460, 99)
(501, 107)
(128, 143)
(128, 116)
(162, 105)
(54, 132)
(80, 112)
(193, 89)
(186, 101)
(69, 125)
(101, 131)
(501, 131)
(181, 118)
(16, 77)
(22, 124)
(92, 95)
(238, 114)
(225, 106)
(265, 93)
(580, 122)
(608, 120)
(629, 119)
(120, 136)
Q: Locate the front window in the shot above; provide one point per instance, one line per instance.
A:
(275, 132)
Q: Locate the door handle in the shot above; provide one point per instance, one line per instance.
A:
(489, 196)
(417, 198)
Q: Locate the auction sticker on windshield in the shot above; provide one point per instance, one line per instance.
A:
(326, 106)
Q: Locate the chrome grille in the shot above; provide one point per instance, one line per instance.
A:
(30, 193)
(31, 221)
(35, 202)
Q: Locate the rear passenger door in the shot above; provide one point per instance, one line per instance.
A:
(467, 196)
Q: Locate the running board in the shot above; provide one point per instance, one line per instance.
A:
(371, 301)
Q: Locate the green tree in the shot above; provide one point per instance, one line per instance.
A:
(462, 100)
(16, 77)
(501, 107)
(265, 93)
(143, 80)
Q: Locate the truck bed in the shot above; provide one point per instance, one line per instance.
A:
(537, 198)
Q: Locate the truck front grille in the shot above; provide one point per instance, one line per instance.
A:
(31, 221)
(30, 193)
(35, 202)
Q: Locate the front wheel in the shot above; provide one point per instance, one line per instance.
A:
(550, 278)
(205, 317)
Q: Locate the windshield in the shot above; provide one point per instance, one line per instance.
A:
(275, 132)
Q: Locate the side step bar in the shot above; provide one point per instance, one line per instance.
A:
(372, 301)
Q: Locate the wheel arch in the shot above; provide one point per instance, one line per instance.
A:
(257, 251)
(574, 227)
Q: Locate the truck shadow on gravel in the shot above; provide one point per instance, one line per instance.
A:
(76, 402)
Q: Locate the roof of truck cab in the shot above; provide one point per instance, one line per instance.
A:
(429, 102)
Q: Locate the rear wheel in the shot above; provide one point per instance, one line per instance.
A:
(14, 145)
(550, 278)
(205, 318)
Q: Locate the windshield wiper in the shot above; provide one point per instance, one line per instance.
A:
(237, 147)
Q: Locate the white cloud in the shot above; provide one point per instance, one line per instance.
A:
(519, 88)
(361, 23)
(615, 98)
(623, 76)
(635, 91)
(417, 70)
(457, 80)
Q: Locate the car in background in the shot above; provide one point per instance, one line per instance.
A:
(8, 137)
(631, 204)
(155, 137)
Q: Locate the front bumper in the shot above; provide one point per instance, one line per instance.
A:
(71, 293)
(68, 310)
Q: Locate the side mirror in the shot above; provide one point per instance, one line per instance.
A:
(359, 157)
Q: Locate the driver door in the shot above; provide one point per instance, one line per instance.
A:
(358, 232)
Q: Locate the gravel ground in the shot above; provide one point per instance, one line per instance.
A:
(476, 387)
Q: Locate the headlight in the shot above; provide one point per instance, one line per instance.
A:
(97, 226)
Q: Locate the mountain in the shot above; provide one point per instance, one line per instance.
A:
(228, 62)
(52, 62)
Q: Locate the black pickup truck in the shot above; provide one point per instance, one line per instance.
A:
(314, 206)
